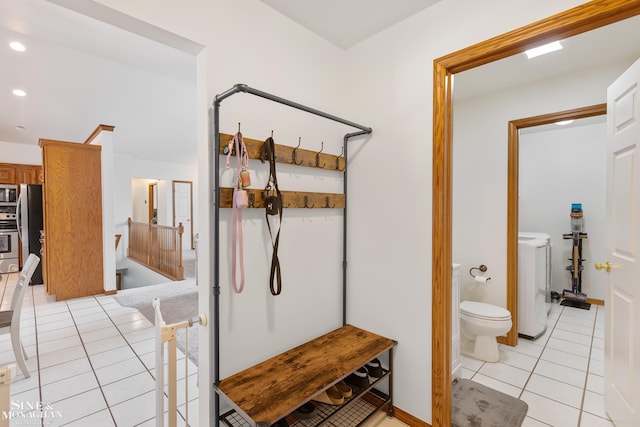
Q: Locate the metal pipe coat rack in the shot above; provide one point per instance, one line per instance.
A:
(214, 217)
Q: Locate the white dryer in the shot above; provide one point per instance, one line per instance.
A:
(534, 283)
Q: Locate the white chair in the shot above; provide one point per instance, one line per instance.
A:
(10, 319)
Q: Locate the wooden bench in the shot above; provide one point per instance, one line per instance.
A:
(270, 390)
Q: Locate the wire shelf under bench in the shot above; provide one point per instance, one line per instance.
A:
(353, 412)
(271, 390)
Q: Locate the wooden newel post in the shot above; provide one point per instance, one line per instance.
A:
(150, 244)
(129, 222)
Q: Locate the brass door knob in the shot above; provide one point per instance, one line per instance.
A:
(606, 266)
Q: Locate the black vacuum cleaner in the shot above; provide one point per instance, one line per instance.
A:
(574, 297)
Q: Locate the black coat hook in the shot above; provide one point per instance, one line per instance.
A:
(318, 165)
(329, 206)
(338, 161)
(294, 159)
(306, 205)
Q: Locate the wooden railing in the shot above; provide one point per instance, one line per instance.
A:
(158, 247)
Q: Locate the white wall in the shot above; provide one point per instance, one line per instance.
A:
(559, 167)
(165, 206)
(106, 140)
(140, 199)
(131, 190)
(480, 167)
(25, 154)
(384, 82)
(248, 42)
(391, 175)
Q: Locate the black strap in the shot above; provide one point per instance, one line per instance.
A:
(268, 152)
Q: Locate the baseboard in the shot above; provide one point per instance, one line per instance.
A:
(595, 301)
(398, 413)
(408, 419)
(111, 292)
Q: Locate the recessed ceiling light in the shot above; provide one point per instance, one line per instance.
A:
(19, 92)
(20, 127)
(17, 46)
(564, 122)
(541, 50)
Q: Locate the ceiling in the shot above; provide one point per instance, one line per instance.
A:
(614, 43)
(348, 22)
(79, 72)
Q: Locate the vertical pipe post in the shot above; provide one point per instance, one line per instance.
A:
(344, 232)
(214, 269)
(344, 222)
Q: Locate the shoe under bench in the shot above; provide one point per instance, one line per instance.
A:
(269, 392)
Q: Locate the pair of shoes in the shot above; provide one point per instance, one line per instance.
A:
(282, 422)
(306, 411)
(375, 368)
(334, 395)
(331, 396)
(359, 378)
(344, 388)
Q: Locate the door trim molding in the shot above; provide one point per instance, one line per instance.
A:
(512, 198)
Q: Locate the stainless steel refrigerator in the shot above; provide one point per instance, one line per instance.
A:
(30, 225)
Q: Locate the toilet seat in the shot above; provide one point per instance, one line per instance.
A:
(480, 310)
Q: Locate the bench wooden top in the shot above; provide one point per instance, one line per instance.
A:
(276, 387)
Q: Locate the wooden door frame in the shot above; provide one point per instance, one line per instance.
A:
(173, 204)
(151, 197)
(580, 19)
(513, 195)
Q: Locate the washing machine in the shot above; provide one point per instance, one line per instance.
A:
(534, 283)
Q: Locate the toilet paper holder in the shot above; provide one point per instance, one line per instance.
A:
(482, 268)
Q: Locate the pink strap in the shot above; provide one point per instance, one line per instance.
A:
(236, 231)
(236, 219)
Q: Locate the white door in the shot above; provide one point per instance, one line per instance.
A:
(182, 211)
(622, 336)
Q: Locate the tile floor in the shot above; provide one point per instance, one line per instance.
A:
(560, 375)
(93, 362)
(91, 359)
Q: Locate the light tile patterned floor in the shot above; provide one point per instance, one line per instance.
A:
(559, 375)
(93, 362)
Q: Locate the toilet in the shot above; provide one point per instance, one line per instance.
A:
(480, 324)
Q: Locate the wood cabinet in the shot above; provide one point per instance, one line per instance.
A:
(72, 196)
(28, 174)
(7, 174)
(13, 173)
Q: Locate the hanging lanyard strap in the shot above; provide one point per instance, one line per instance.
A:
(236, 217)
(272, 185)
